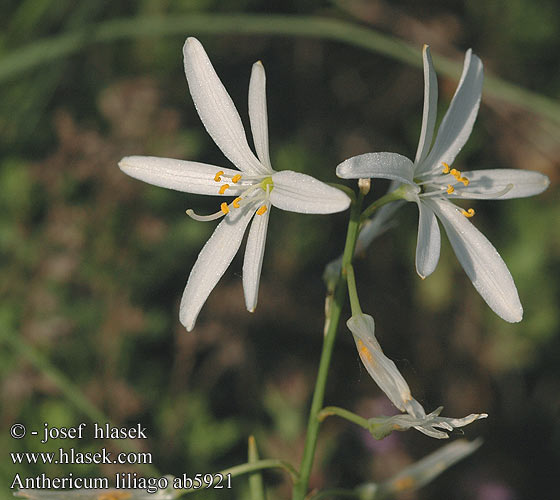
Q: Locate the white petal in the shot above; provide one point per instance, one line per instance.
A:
(258, 114)
(458, 122)
(216, 109)
(503, 184)
(186, 176)
(377, 165)
(480, 260)
(430, 107)
(302, 193)
(429, 241)
(212, 262)
(431, 432)
(254, 253)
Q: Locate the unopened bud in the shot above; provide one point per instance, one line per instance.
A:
(364, 185)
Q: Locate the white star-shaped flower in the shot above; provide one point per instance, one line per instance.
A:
(433, 185)
(256, 187)
(387, 376)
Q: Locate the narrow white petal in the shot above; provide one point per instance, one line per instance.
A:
(302, 193)
(377, 165)
(503, 184)
(429, 241)
(258, 115)
(186, 176)
(430, 107)
(254, 253)
(458, 122)
(480, 260)
(212, 262)
(454, 423)
(216, 109)
(431, 432)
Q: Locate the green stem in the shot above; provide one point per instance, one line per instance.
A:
(352, 291)
(329, 411)
(300, 487)
(46, 50)
(395, 195)
(256, 483)
(239, 470)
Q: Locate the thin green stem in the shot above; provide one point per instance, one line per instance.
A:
(352, 291)
(300, 487)
(247, 468)
(45, 51)
(256, 483)
(395, 195)
(329, 411)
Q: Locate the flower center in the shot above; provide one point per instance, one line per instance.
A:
(250, 192)
(436, 189)
(267, 185)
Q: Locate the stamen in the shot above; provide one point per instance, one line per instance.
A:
(217, 177)
(450, 189)
(464, 180)
(204, 218)
(223, 188)
(445, 167)
(236, 178)
(262, 210)
(468, 213)
(235, 202)
(484, 196)
(225, 209)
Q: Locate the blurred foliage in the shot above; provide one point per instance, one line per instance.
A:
(93, 263)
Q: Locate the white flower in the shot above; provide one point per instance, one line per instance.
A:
(256, 186)
(422, 472)
(389, 379)
(427, 424)
(433, 184)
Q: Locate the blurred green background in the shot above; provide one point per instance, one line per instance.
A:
(93, 263)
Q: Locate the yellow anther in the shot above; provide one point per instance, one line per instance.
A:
(468, 213)
(235, 202)
(464, 180)
(364, 352)
(262, 210)
(223, 188)
(455, 173)
(450, 189)
(224, 207)
(217, 177)
(236, 178)
(445, 167)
